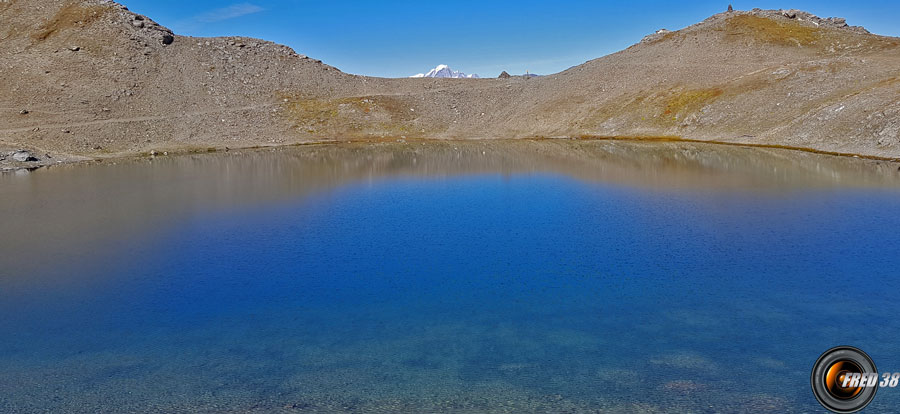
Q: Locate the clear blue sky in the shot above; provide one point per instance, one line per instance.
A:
(401, 38)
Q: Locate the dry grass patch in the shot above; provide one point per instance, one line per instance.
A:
(788, 33)
(71, 15)
(690, 100)
(361, 116)
(666, 37)
(661, 108)
(324, 109)
(888, 82)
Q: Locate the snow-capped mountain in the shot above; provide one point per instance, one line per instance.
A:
(444, 71)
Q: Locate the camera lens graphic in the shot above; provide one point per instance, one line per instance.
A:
(829, 373)
(835, 376)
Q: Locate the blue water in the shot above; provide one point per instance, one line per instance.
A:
(485, 292)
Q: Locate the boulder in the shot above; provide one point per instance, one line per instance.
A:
(23, 156)
(167, 39)
(504, 75)
(659, 34)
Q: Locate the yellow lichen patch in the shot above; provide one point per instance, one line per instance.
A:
(71, 15)
(788, 32)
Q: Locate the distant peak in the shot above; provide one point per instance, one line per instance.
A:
(444, 71)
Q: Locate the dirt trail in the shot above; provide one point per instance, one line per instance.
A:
(135, 119)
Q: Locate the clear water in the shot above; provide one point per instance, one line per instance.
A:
(470, 278)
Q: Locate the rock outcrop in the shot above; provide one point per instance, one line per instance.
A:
(23, 156)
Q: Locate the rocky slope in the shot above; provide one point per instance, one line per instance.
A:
(88, 78)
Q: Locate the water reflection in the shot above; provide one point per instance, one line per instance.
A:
(54, 209)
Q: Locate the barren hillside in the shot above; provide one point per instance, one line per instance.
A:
(88, 78)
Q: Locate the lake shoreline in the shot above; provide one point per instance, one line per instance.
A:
(7, 165)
